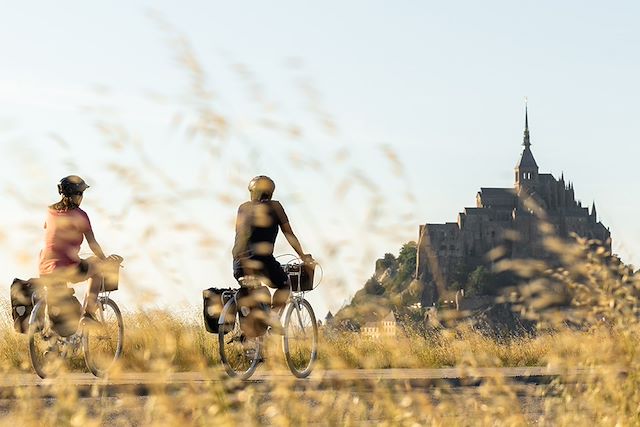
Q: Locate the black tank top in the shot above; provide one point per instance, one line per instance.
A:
(257, 227)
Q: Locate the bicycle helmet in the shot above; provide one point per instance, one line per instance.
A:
(261, 188)
(71, 184)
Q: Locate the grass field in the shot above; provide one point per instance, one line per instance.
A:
(597, 327)
(160, 336)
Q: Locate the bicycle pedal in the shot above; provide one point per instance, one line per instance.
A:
(240, 338)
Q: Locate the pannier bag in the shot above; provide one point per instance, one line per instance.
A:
(110, 270)
(213, 305)
(22, 303)
(254, 307)
(301, 276)
(64, 310)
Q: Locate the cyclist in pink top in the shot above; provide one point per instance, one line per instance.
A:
(66, 227)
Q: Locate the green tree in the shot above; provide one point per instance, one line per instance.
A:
(373, 287)
(407, 257)
(479, 281)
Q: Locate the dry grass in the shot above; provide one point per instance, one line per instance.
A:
(157, 337)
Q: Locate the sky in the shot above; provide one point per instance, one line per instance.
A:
(372, 117)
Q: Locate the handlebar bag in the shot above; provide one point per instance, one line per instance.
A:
(301, 276)
(110, 270)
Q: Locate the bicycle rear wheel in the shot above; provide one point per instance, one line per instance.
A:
(44, 350)
(239, 354)
(102, 343)
(300, 340)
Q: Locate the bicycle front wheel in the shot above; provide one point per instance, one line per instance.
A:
(102, 343)
(239, 354)
(300, 340)
(44, 350)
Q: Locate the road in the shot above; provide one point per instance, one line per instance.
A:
(416, 378)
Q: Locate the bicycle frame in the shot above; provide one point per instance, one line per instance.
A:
(44, 335)
(295, 303)
(71, 342)
(103, 295)
(40, 298)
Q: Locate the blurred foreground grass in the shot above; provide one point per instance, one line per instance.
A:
(160, 342)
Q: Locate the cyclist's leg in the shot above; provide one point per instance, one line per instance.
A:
(89, 269)
(280, 281)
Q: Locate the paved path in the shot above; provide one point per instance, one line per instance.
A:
(318, 377)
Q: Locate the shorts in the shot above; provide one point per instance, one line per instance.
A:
(270, 268)
(71, 274)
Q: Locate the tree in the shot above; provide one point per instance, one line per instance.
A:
(478, 282)
(388, 262)
(407, 257)
(373, 287)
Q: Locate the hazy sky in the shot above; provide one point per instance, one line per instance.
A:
(348, 105)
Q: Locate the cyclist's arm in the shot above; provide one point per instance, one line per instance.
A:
(292, 239)
(285, 226)
(93, 244)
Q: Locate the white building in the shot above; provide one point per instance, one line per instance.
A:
(383, 328)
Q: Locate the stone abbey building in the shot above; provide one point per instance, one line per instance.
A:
(508, 218)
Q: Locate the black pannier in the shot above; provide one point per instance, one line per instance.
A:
(22, 303)
(213, 305)
(301, 276)
(254, 306)
(64, 310)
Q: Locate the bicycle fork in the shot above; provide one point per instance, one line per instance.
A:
(296, 304)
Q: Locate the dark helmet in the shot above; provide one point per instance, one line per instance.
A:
(71, 184)
(261, 188)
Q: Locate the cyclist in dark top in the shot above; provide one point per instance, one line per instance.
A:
(257, 227)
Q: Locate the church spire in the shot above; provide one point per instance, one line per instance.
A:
(527, 168)
(526, 142)
(594, 214)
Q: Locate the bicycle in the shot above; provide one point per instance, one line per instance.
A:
(241, 354)
(101, 344)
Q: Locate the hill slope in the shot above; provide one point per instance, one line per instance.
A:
(390, 288)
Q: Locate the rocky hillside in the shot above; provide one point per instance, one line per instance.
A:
(392, 287)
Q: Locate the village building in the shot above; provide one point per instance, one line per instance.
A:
(385, 327)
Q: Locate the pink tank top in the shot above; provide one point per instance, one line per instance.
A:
(63, 235)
